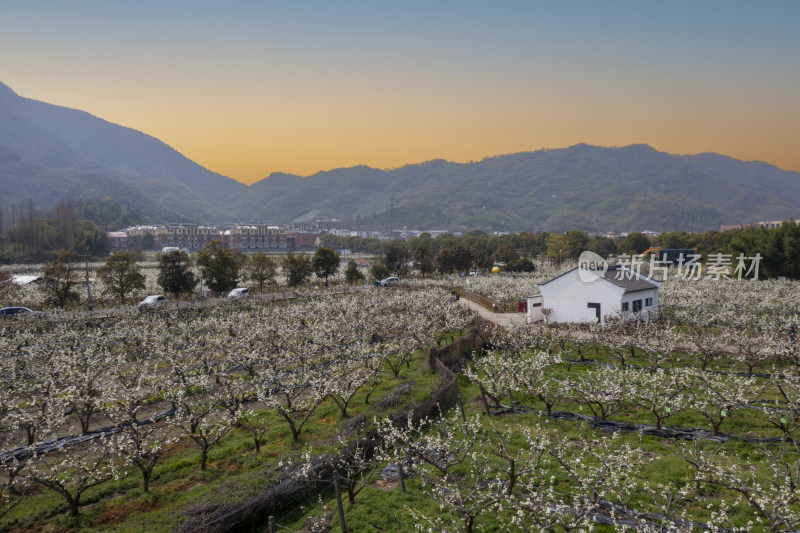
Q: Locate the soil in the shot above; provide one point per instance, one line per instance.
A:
(387, 484)
(119, 512)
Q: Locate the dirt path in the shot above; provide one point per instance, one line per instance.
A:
(505, 320)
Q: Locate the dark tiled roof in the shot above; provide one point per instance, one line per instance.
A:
(559, 276)
(628, 280)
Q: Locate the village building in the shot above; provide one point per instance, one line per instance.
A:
(118, 240)
(256, 237)
(591, 296)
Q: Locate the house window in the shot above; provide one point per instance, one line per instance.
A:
(637, 306)
(648, 302)
(624, 307)
(596, 308)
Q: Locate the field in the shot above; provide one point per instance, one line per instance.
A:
(684, 424)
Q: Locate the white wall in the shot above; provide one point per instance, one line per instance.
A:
(568, 297)
(535, 304)
(643, 296)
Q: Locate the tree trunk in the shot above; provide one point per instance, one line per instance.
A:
(547, 406)
(485, 403)
(147, 472)
(84, 420)
(366, 399)
(468, 524)
(12, 487)
(342, 405)
(512, 478)
(73, 504)
(295, 431)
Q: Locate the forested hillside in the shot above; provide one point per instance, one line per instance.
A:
(50, 153)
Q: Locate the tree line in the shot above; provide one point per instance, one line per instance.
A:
(219, 269)
(30, 234)
(779, 248)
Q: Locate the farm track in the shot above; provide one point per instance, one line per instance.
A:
(505, 320)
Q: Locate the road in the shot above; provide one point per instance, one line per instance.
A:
(506, 320)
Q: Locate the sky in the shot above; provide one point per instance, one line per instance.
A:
(248, 88)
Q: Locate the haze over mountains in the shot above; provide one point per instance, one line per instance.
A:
(49, 153)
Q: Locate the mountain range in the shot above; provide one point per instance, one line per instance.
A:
(49, 153)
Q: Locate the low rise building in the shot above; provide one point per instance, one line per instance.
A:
(583, 295)
(118, 240)
(768, 224)
(299, 239)
(256, 237)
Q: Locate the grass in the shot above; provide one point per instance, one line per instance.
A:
(178, 486)
(180, 489)
(382, 507)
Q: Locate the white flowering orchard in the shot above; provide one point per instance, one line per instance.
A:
(681, 424)
(86, 400)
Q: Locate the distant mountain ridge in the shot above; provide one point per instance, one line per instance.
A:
(585, 187)
(49, 152)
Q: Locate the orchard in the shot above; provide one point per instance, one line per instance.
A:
(169, 418)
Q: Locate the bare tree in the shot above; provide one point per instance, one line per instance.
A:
(60, 280)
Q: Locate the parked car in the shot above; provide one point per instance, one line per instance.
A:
(154, 300)
(389, 281)
(8, 312)
(241, 292)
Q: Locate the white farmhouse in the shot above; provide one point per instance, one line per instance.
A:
(576, 296)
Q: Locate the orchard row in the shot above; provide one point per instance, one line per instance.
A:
(138, 383)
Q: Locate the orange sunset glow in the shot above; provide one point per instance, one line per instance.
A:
(253, 88)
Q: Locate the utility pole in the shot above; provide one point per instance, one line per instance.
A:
(88, 285)
(391, 216)
(342, 523)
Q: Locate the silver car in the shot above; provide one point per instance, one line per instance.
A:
(241, 292)
(8, 312)
(154, 300)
